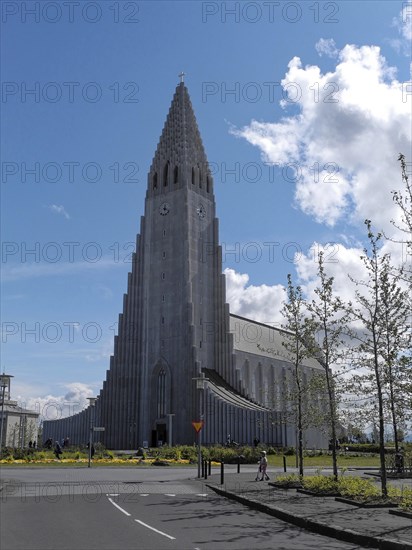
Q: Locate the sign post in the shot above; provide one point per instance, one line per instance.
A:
(201, 385)
(92, 403)
(198, 425)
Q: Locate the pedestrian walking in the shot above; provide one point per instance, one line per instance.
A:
(58, 450)
(263, 464)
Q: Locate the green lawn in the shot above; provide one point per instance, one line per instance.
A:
(275, 461)
(323, 461)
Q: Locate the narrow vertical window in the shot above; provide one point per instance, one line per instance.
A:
(208, 184)
(166, 174)
(193, 176)
(200, 177)
(155, 180)
(176, 175)
(161, 394)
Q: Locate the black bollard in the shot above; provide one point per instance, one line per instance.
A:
(284, 463)
(238, 464)
(203, 467)
(210, 467)
(222, 473)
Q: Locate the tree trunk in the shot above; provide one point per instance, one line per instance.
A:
(384, 487)
(394, 421)
(332, 413)
(300, 435)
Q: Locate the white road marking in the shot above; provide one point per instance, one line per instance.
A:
(141, 522)
(156, 530)
(117, 506)
(201, 495)
(144, 495)
(112, 494)
(170, 495)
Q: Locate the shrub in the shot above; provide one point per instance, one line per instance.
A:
(366, 448)
(406, 500)
(188, 452)
(313, 453)
(230, 455)
(41, 455)
(358, 488)
(290, 451)
(320, 484)
(22, 454)
(288, 479)
(171, 453)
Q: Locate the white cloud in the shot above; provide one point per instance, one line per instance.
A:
(52, 407)
(33, 270)
(59, 210)
(102, 353)
(340, 261)
(260, 303)
(264, 303)
(404, 22)
(326, 46)
(353, 122)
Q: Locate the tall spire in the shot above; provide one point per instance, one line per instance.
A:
(180, 149)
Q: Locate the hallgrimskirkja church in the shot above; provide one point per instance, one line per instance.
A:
(179, 355)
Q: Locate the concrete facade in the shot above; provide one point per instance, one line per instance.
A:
(19, 426)
(176, 326)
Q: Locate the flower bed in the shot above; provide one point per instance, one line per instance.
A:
(290, 481)
(349, 489)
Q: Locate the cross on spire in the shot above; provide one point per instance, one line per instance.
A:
(181, 76)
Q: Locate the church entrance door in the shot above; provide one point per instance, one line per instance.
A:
(159, 435)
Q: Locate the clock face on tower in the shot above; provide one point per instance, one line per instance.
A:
(201, 211)
(164, 209)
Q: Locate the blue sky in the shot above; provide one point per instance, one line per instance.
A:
(103, 75)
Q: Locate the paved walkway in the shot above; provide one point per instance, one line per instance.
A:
(369, 527)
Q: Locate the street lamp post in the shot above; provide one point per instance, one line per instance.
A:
(4, 383)
(201, 384)
(170, 428)
(92, 402)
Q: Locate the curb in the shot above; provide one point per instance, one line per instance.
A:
(334, 531)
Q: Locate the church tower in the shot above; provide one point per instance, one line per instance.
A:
(176, 326)
(174, 308)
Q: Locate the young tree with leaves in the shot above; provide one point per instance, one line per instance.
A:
(372, 335)
(297, 336)
(393, 322)
(403, 199)
(328, 326)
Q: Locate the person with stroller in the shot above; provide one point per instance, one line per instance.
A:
(263, 464)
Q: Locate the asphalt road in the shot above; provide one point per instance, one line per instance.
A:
(152, 515)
